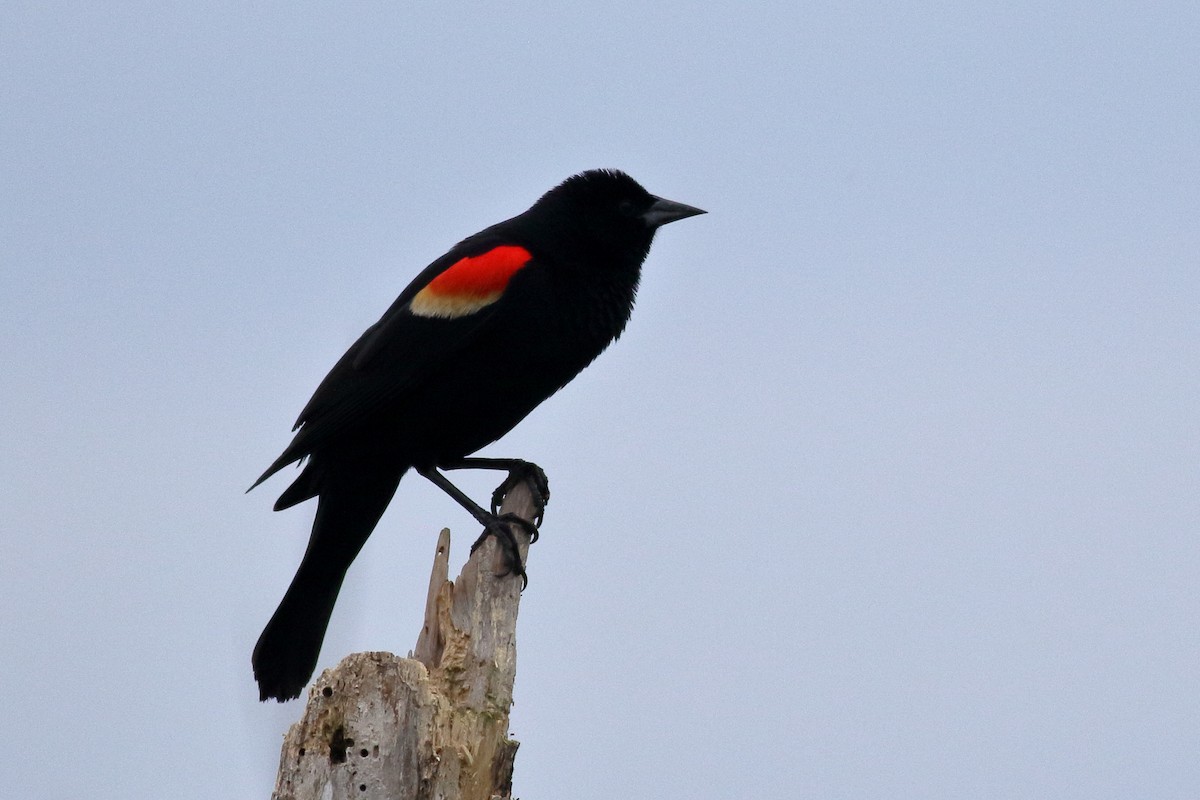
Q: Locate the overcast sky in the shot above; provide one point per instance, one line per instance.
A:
(890, 490)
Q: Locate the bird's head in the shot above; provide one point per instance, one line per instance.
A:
(611, 210)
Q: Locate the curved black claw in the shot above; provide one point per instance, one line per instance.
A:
(499, 526)
(533, 474)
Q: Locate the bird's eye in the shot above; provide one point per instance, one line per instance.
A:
(627, 208)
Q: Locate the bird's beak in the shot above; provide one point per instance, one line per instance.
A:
(664, 211)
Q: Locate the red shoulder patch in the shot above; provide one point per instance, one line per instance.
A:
(471, 283)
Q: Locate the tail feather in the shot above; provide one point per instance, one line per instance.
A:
(351, 503)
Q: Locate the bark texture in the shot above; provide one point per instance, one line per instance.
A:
(434, 725)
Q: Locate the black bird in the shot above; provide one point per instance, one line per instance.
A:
(481, 337)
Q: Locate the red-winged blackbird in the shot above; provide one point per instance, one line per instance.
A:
(481, 337)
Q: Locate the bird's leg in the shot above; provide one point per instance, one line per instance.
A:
(518, 470)
(493, 524)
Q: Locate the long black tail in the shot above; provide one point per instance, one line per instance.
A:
(350, 505)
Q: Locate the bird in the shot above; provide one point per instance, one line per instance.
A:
(481, 336)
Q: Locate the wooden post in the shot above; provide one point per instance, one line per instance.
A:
(434, 725)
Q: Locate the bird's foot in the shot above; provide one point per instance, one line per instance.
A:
(499, 526)
(535, 476)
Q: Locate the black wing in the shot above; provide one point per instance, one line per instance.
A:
(383, 363)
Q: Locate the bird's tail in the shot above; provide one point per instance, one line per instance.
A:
(350, 505)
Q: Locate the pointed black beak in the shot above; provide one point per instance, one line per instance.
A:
(664, 211)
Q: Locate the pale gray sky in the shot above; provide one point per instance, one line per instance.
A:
(889, 491)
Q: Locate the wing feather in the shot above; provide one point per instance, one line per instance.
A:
(384, 362)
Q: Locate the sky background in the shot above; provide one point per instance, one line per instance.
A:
(890, 490)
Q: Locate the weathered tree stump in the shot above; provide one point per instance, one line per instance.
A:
(434, 725)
